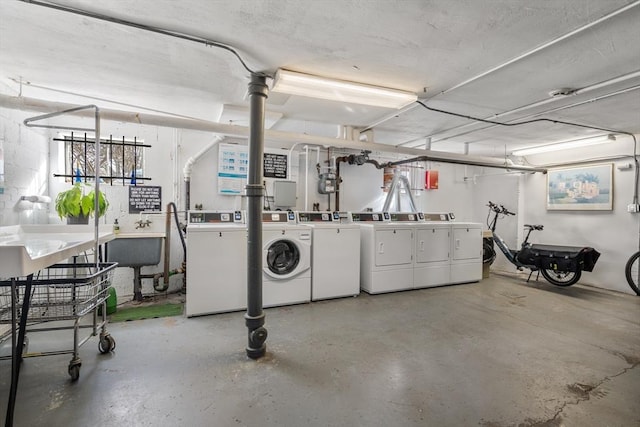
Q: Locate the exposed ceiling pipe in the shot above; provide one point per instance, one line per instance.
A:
(271, 135)
(511, 61)
(581, 91)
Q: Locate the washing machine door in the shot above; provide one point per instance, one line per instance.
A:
(282, 259)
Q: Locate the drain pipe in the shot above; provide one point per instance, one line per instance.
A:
(254, 318)
(186, 171)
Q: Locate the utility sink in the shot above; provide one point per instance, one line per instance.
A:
(135, 249)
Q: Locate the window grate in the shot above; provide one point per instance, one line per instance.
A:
(122, 161)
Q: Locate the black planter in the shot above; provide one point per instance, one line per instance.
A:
(82, 219)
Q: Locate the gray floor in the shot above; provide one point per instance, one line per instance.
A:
(497, 353)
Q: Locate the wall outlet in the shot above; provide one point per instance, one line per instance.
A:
(633, 208)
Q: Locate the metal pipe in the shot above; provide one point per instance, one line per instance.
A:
(306, 178)
(167, 245)
(254, 318)
(29, 122)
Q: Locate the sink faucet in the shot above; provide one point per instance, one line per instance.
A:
(142, 224)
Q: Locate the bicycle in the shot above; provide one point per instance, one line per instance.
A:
(632, 272)
(559, 265)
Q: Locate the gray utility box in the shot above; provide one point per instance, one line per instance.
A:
(284, 194)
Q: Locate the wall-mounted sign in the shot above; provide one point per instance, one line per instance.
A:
(275, 165)
(145, 198)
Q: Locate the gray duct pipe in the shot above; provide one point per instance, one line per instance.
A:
(254, 318)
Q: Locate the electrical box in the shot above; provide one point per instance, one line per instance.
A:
(284, 194)
(431, 180)
(327, 183)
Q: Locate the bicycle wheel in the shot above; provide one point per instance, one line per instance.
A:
(488, 252)
(561, 278)
(632, 272)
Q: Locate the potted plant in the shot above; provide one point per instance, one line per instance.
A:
(78, 203)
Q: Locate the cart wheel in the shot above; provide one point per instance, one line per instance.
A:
(25, 346)
(106, 344)
(74, 371)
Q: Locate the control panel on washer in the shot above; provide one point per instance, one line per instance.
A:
(284, 217)
(325, 217)
(216, 217)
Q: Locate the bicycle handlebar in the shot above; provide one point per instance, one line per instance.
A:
(499, 209)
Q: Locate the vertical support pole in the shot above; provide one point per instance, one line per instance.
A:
(254, 318)
(96, 204)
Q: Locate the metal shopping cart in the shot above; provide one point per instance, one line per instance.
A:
(61, 292)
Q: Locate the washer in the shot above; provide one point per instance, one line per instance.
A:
(286, 262)
(386, 251)
(217, 262)
(335, 255)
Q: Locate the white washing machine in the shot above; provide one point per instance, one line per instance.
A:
(335, 255)
(433, 251)
(216, 262)
(286, 259)
(386, 251)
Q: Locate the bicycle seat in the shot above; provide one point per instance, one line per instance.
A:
(534, 227)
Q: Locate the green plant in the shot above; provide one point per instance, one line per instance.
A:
(79, 201)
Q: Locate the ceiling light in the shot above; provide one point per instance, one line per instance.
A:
(564, 145)
(338, 90)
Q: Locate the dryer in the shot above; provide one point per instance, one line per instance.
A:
(386, 251)
(335, 255)
(286, 262)
(466, 250)
(216, 262)
(433, 251)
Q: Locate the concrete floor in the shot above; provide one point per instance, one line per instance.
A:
(498, 353)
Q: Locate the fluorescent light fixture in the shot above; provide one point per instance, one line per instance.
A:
(338, 90)
(564, 145)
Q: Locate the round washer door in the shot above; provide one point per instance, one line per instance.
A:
(283, 256)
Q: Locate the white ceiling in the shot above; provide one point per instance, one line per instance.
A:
(425, 46)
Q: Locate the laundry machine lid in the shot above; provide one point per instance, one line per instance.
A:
(283, 256)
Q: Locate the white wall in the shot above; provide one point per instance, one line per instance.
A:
(26, 170)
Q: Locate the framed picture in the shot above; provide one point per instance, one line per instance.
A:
(588, 188)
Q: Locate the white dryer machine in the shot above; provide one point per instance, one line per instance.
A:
(386, 250)
(335, 255)
(217, 262)
(286, 261)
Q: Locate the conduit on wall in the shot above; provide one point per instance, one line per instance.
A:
(188, 166)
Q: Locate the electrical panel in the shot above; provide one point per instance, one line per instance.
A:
(284, 194)
(327, 183)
